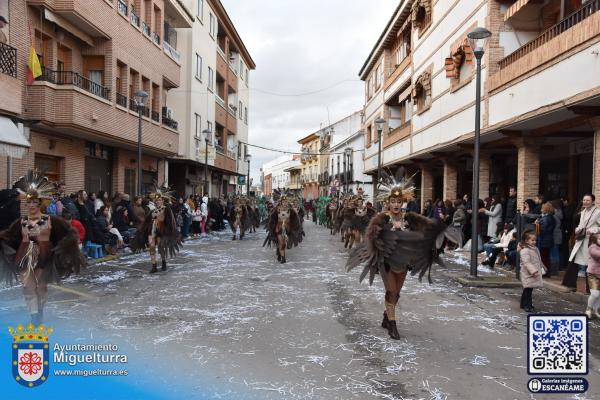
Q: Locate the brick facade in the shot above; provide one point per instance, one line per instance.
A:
(528, 175)
(450, 180)
(426, 186)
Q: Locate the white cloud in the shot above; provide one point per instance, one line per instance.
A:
(301, 47)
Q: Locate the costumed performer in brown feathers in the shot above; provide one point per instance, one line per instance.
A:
(283, 226)
(38, 248)
(396, 242)
(159, 230)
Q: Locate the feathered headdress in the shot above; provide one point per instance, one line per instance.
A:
(281, 194)
(396, 187)
(162, 192)
(35, 186)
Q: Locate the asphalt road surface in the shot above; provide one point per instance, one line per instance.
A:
(228, 321)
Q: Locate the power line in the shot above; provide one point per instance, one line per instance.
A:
(296, 152)
(300, 94)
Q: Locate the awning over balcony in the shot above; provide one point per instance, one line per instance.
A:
(524, 14)
(12, 141)
(177, 14)
(69, 27)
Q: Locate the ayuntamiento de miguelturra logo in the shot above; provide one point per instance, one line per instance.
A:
(30, 354)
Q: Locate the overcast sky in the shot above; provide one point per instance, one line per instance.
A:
(300, 47)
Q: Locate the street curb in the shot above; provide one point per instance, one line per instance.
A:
(488, 281)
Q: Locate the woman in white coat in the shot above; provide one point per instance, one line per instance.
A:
(589, 223)
(495, 216)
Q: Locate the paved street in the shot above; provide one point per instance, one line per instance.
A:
(231, 322)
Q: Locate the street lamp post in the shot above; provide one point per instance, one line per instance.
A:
(347, 155)
(140, 101)
(379, 122)
(207, 137)
(247, 158)
(477, 40)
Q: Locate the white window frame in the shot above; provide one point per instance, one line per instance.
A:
(199, 63)
(211, 25)
(200, 10)
(246, 115)
(198, 126)
(211, 78)
(241, 108)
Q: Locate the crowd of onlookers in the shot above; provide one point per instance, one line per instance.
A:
(113, 220)
(553, 222)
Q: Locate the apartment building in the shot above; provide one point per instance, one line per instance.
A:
(214, 96)
(539, 101)
(278, 172)
(309, 178)
(13, 62)
(346, 159)
(81, 113)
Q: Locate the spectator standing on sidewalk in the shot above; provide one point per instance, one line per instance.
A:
(494, 216)
(593, 271)
(546, 224)
(196, 220)
(511, 207)
(532, 269)
(204, 211)
(589, 223)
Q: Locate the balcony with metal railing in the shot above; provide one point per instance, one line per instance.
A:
(146, 28)
(155, 37)
(122, 7)
(121, 100)
(168, 121)
(75, 79)
(573, 30)
(8, 60)
(135, 19)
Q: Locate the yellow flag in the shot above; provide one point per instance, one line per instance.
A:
(34, 63)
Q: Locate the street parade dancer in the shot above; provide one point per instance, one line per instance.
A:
(38, 249)
(396, 242)
(159, 230)
(239, 217)
(283, 226)
(360, 220)
(332, 208)
(254, 215)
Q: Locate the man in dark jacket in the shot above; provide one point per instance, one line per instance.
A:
(511, 207)
(10, 207)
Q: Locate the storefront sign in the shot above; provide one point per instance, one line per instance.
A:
(581, 147)
(212, 154)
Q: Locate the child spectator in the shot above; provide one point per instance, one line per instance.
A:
(78, 226)
(532, 269)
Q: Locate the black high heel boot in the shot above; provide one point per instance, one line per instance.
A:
(283, 259)
(385, 322)
(393, 330)
(154, 269)
(164, 265)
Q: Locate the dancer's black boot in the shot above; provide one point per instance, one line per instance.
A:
(393, 330)
(154, 269)
(385, 322)
(164, 265)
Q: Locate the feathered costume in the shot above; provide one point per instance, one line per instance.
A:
(41, 250)
(159, 230)
(240, 217)
(359, 221)
(331, 211)
(283, 226)
(397, 242)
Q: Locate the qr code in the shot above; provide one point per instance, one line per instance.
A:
(557, 344)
